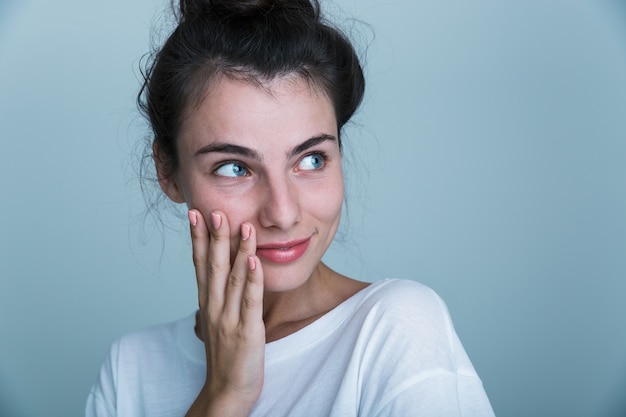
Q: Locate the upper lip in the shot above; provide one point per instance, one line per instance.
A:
(282, 245)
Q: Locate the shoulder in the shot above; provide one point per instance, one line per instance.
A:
(130, 356)
(406, 318)
(406, 300)
(150, 343)
(410, 356)
(152, 335)
(159, 367)
(403, 289)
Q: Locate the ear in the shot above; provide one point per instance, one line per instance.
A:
(167, 181)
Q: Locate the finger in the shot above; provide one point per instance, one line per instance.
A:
(252, 299)
(200, 253)
(239, 272)
(218, 260)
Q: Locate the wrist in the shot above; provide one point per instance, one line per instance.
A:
(219, 404)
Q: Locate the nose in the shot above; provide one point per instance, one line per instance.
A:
(280, 206)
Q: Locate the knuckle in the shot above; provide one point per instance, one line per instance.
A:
(218, 235)
(198, 260)
(250, 301)
(216, 323)
(234, 280)
(243, 249)
(212, 267)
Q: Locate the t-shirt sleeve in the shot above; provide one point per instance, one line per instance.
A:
(443, 394)
(420, 366)
(101, 398)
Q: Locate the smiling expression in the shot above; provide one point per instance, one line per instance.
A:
(268, 155)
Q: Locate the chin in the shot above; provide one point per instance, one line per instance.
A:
(281, 279)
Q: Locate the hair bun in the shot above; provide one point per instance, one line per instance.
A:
(190, 9)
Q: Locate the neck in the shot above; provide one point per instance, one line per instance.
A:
(287, 312)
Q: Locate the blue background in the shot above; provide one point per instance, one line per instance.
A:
(488, 162)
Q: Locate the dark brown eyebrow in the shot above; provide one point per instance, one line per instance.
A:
(229, 148)
(309, 143)
(252, 154)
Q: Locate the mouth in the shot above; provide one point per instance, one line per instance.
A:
(283, 252)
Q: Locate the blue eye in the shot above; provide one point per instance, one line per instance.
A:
(311, 162)
(231, 169)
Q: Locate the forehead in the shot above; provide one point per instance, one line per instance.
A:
(276, 113)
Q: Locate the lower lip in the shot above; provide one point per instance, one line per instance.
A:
(284, 256)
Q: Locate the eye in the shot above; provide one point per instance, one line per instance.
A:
(231, 169)
(311, 162)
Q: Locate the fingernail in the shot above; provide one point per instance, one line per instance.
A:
(245, 231)
(216, 220)
(251, 263)
(193, 217)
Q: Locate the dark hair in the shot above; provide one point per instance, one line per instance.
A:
(255, 40)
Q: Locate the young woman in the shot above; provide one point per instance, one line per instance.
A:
(247, 100)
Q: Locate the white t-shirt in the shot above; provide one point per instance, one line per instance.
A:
(389, 350)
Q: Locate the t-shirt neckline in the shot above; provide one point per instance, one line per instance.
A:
(309, 334)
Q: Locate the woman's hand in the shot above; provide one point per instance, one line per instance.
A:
(230, 316)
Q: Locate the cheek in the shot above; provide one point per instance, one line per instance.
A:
(237, 207)
(334, 205)
(236, 210)
(326, 203)
(200, 193)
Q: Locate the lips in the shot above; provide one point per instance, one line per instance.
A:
(284, 252)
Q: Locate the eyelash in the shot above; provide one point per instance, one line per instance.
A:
(232, 162)
(321, 154)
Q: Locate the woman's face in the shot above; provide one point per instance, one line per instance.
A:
(269, 156)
